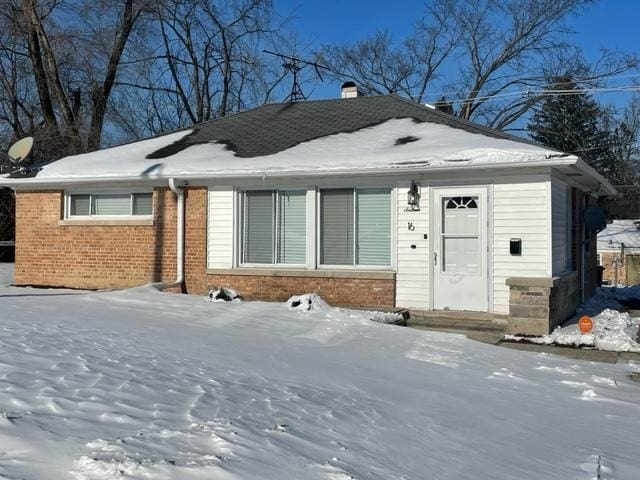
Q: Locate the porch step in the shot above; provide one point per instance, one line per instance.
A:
(454, 320)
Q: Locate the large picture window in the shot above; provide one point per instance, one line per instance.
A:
(109, 204)
(274, 227)
(355, 227)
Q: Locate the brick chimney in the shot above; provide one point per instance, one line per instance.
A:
(350, 90)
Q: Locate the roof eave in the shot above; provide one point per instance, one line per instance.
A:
(36, 182)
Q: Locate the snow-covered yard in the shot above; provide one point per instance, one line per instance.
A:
(147, 385)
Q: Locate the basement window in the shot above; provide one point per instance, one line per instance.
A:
(104, 205)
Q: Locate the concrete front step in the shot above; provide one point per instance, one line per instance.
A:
(454, 320)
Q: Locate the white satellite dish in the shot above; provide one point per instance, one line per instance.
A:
(21, 149)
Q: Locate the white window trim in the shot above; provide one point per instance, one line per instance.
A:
(312, 232)
(242, 206)
(131, 191)
(355, 266)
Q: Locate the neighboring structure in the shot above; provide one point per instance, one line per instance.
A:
(619, 252)
(368, 201)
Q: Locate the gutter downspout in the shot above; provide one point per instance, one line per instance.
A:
(179, 281)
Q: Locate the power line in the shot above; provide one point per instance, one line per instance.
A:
(549, 93)
(576, 81)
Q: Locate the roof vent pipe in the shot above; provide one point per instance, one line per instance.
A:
(179, 239)
(350, 90)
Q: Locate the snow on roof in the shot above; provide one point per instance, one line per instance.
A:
(619, 232)
(392, 144)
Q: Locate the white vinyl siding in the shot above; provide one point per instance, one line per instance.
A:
(220, 227)
(292, 227)
(561, 226)
(412, 277)
(355, 227)
(373, 227)
(520, 210)
(109, 204)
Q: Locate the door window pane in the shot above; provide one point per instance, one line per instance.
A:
(373, 227)
(79, 205)
(258, 227)
(336, 227)
(292, 228)
(461, 216)
(111, 205)
(461, 255)
(142, 203)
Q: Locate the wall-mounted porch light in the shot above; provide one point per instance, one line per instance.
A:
(413, 197)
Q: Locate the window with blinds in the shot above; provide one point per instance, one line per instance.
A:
(274, 227)
(355, 227)
(109, 204)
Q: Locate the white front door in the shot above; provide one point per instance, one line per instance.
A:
(460, 249)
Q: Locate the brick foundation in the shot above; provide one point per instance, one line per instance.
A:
(51, 253)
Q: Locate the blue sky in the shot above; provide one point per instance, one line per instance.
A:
(610, 23)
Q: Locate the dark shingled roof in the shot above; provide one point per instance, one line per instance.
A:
(276, 127)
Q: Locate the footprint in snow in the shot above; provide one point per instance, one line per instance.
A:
(202, 445)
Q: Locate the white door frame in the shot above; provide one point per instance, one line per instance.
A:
(486, 227)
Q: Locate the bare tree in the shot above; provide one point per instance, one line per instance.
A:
(519, 55)
(497, 55)
(381, 66)
(72, 91)
(208, 60)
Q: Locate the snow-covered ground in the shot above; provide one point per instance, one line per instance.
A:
(612, 331)
(140, 384)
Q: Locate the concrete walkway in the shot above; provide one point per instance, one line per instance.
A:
(493, 337)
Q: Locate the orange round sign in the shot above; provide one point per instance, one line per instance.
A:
(585, 324)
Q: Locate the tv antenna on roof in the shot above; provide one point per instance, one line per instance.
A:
(294, 65)
(16, 154)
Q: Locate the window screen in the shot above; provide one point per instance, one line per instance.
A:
(292, 227)
(275, 227)
(336, 227)
(142, 203)
(373, 237)
(111, 205)
(79, 205)
(258, 227)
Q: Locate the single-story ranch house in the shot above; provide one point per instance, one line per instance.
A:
(371, 201)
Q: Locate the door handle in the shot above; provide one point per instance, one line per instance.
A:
(435, 258)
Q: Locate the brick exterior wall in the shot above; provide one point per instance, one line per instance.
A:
(79, 256)
(49, 253)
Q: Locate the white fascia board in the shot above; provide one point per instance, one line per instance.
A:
(160, 180)
(589, 171)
